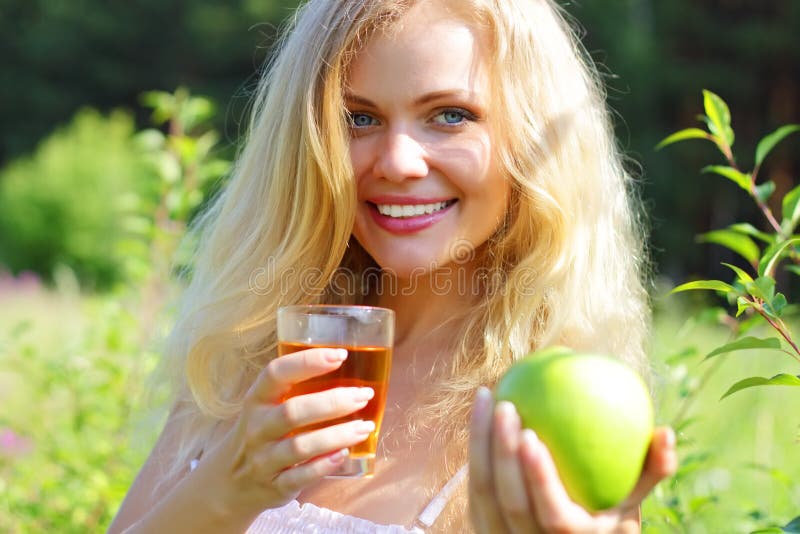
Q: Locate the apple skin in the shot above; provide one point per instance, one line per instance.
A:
(594, 414)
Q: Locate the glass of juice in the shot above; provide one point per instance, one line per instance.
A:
(367, 333)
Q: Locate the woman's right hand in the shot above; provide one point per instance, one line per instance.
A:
(257, 465)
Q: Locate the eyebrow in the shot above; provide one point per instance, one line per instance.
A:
(424, 99)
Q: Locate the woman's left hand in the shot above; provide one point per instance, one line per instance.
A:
(514, 486)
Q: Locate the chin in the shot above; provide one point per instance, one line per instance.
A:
(408, 270)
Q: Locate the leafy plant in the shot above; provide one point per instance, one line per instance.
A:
(752, 289)
(73, 368)
(185, 161)
(61, 205)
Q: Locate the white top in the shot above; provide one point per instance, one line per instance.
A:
(308, 518)
(296, 518)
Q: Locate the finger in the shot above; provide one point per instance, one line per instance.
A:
(272, 422)
(290, 482)
(282, 372)
(660, 463)
(508, 478)
(550, 501)
(482, 503)
(303, 447)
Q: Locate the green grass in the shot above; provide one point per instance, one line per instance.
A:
(73, 385)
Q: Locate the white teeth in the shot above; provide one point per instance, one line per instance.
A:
(410, 210)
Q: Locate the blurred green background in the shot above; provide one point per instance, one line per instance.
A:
(97, 184)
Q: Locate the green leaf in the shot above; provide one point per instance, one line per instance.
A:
(762, 287)
(749, 229)
(776, 305)
(765, 190)
(766, 145)
(162, 103)
(719, 116)
(793, 269)
(772, 255)
(688, 133)
(743, 276)
(740, 244)
(782, 379)
(739, 178)
(741, 305)
(745, 343)
(790, 209)
(793, 526)
(770, 530)
(714, 285)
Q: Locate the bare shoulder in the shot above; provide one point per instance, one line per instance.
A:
(150, 485)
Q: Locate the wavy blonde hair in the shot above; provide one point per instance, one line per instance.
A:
(291, 201)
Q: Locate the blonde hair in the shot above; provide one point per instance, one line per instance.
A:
(570, 250)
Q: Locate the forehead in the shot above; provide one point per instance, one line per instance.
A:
(429, 48)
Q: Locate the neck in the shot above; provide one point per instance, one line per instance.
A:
(428, 304)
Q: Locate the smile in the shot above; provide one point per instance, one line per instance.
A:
(402, 219)
(399, 211)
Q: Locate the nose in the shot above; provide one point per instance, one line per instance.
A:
(401, 157)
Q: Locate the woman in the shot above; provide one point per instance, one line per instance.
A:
(462, 150)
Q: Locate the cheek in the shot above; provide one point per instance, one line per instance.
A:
(486, 187)
(361, 158)
(468, 163)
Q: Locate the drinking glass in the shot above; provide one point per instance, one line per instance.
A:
(367, 333)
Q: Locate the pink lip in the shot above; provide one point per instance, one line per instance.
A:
(406, 225)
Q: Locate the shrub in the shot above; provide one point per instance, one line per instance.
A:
(62, 205)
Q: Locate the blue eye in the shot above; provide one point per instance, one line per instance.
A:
(453, 117)
(362, 120)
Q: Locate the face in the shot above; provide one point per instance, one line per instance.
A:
(421, 146)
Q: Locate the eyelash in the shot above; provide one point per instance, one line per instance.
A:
(351, 119)
(465, 114)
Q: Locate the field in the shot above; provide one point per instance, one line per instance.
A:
(79, 414)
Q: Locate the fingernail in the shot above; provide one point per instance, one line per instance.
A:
(481, 408)
(365, 427)
(507, 424)
(339, 456)
(506, 410)
(336, 355)
(483, 401)
(483, 395)
(529, 437)
(530, 443)
(363, 394)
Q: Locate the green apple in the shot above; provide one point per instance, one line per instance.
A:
(593, 413)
